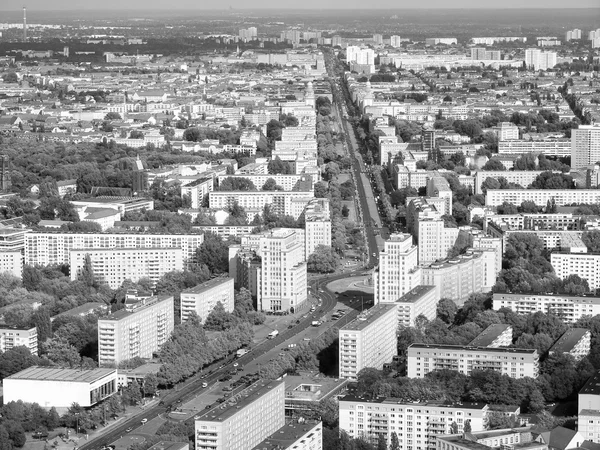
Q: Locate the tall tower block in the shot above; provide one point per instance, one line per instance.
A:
(4, 173)
(24, 23)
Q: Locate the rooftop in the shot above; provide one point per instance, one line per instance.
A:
(468, 347)
(246, 397)
(56, 374)
(207, 285)
(139, 306)
(287, 435)
(167, 445)
(369, 317)
(415, 294)
(569, 339)
(489, 335)
(399, 401)
(592, 386)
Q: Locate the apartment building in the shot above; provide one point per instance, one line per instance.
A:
(506, 131)
(369, 340)
(113, 267)
(49, 248)
(434, 239)
(588, 409)
(279, 201)
(554, 147)
(11, 337)
(202, 299)
(585, 146)
(484, 242)
(12, 240)
(556, 222)
(495, 197)
(422, 300)
(574, 341)
(492, 439)
(459, 277)
(397, 272)
(522, 177)
(586, 265)
(138, 330)
(494, 336)
(417, 425)
(289, 182)
(538, 60)
(283, 276)
(257, 412)
(569, 308)
(12, 262)
(317, 225)
(295, 435)
(438, 187)
(196, 190)
(514, 362)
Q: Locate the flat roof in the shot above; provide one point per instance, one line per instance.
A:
(489, 335)
(168, 445)
(56, 374)
(368, 317)
(469, 347)
(245, 398)
(285, 436)
(569, 339)
(326, 385)
(144, 369)
(402, 402)
(120, 314)
(207, 285)
(415, 294)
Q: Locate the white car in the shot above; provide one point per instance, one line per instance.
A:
(144, 420)
(235, 364)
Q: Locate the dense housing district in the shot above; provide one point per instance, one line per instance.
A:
(299, 235)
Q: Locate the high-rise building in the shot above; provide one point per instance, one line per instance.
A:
(395, 41)
(515, 362)
(203, 298)
(507, 131)
(283, 276)
(438, 186)
(138, 331)
(585, 146)
(11, 337)
(114, 266)
(317, 225)
(584, 265)
(573, 35)
(538, 60)
(478, 53)
(427, 139)
(24, 24)
(248, 34)
(258, 412)
(415, 424)
(594, 34)
(336, 41)
(5, 183)
(295, 435)
(398, 271)
(378, 39)
(369, 340)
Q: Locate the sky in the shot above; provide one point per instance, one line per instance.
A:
(48, 5)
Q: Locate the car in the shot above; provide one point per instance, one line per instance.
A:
(235, 364)
(128, 430)
(205, 384)
(144, 420)
(228, 388)
(374, 254)
(208, 407)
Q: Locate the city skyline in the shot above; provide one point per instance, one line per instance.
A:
(307, 5)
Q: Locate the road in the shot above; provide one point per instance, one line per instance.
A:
(369, 213)
(192, 387)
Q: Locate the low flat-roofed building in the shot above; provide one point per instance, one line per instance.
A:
(515, 438)
(60, 388)
(496, 335)
(127, 376)
(421, 300)
(307, 389)
(295, 435)
(84, 310)
(202, 298)
(168, 445)
(514, 362)
(574, 341)
(11, 337)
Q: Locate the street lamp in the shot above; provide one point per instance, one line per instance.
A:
(77, 424)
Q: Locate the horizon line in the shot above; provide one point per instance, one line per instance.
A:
(226, 9)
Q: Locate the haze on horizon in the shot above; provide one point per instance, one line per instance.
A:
(145, 5)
